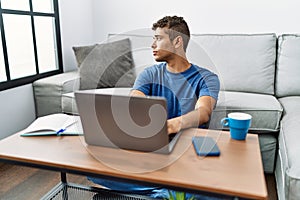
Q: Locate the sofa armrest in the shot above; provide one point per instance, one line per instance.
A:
(48, 92)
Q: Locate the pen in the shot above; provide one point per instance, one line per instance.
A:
(63, 129)
(60, 131)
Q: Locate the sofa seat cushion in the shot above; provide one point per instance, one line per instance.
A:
(69, 103)
(289, 132)
(265, 110)
(289, 147)
(268, 147)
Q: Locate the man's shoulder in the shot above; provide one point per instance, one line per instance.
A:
(156, 68)
(152, 72)
(202, 70)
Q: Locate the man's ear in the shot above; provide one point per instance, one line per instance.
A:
(178, 42)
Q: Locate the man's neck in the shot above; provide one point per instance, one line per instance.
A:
(178, 64)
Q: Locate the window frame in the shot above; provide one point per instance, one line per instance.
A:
(9, 83)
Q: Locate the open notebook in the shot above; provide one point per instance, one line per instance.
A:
(54, 124)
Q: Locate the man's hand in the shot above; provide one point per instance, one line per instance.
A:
(174, 125)
(137, 93)
(200, 115)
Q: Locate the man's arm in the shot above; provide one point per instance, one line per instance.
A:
(200, 115)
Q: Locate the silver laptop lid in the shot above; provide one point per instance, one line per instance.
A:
(122, 121)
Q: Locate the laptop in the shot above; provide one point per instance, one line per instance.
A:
(126, 122)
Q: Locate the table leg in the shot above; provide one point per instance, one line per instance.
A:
(63, 178)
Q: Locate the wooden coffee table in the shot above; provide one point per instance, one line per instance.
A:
(238, 171)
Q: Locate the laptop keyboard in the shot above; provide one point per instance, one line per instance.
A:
(171, 136)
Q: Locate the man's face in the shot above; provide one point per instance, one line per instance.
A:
(163, 48)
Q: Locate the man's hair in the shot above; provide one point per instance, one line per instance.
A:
(177, 27)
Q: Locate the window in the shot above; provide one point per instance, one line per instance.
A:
(30, 45)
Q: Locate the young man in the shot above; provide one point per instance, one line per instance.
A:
(191, 91)
(185, 86)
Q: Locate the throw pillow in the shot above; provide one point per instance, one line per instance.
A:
(108, 65)
(81, 53)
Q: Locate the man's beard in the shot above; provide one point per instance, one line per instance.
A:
(164, 58)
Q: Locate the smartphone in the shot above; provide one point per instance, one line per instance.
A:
(205, 146)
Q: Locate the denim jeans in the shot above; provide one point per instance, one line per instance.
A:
(153, 192)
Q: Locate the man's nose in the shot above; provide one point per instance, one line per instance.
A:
(153, 45)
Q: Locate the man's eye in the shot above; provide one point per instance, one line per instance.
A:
(157, 38)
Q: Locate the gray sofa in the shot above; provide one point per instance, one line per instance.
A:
(259, 74)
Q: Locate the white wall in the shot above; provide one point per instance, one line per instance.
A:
(76, 22)
(203, 16)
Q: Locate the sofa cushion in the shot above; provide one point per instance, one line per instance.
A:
(268, 147)
(250, 57)
(288, 66)
(81, 52)
(108, 65)
(289, 148)
(244, 63)
(141, 41)
(291, 106)
(48, 91)
(265, 110)
(69, 103)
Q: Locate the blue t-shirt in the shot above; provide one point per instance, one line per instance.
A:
(181, 90)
